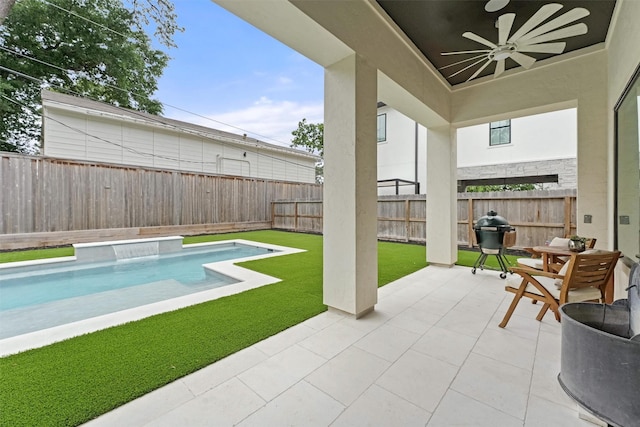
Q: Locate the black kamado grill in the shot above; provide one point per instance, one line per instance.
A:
(493, 235)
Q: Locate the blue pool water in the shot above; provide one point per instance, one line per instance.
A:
(36, 297)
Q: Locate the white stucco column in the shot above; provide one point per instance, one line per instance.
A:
(594, 163)
(350, 269)
(442, 233)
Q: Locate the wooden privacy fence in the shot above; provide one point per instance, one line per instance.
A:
(45, 199)
(537, 215)
(402, 219)
(42, 194)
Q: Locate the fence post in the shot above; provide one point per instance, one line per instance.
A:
(295, 216)
(470, 221)
(567, 215)
(407, 219)
(273, 214)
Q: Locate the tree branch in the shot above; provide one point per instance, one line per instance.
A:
(5, 8)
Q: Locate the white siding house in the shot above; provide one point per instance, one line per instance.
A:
(81, 129)
(540, 148)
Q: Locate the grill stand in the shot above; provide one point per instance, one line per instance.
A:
(503, 262)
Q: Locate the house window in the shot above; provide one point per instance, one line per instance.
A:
(382, 127)
(500, 132)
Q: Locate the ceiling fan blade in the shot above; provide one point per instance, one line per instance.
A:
(543, 48)
(540, 16)
(466, 51)
(463, 61)
(480, 70)
(504, 27)
(499, 68)
(467, 67)
(562, 33)
(525, 60)
(560, 21)
(471, 36)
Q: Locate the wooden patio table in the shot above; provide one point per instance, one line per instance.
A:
(551, 261)
(551, 256)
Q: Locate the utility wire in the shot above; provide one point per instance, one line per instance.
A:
(84, 18)
(45, 84)
(132, 93)
(15, 52)
(179, 160)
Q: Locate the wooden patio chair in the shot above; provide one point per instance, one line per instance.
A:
(583, 278)
(535, 261)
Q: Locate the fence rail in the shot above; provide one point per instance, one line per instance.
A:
(536, 215)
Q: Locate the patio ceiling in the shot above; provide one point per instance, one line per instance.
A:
(436, 26)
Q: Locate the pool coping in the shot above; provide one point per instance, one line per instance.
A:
(248, 279)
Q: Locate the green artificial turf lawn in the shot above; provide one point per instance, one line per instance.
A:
(16, 256)
(465, 258)
(73, 381)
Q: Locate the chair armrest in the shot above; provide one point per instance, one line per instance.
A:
(534, 254)
(534, 272)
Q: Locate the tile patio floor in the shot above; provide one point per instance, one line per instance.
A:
(431, 354)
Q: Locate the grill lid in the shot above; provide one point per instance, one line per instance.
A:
(491, 219)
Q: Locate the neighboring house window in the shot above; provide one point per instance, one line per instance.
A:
(382, 127)
(500, 132)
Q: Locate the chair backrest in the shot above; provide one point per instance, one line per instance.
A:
(588, 269)
(589, 243)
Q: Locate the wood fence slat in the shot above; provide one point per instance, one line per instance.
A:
(567, 216)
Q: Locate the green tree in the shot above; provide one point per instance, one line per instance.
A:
(507, 187)
(161, 13)
(309, 136)
(109, 59)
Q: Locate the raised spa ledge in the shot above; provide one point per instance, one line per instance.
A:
(123, 249)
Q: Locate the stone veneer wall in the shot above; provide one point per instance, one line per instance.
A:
(565, 168)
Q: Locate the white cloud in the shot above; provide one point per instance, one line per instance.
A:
(285, 80)
(267, 120)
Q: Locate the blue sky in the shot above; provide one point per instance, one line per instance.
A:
(231, 72)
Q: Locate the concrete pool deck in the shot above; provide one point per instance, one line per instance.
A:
(431, 354)
(248, 279)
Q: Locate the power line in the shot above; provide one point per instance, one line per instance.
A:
(133, 93)
(179, 160)
(84, 18)
(26, 76)
(45, 84)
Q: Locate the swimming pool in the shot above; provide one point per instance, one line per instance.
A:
(184, 270)
(36, 298)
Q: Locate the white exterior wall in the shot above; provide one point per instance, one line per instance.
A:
(123, 141)
(623, 51)
(537, 137)
(397, 154)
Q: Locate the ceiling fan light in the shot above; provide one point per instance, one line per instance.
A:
(495, 5)
(502, 52)
(502, 55)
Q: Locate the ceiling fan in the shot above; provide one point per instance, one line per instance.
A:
(530, 38)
